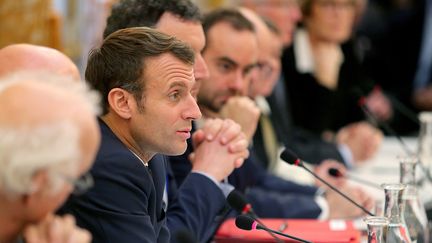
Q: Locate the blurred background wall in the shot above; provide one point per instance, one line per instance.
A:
(71, 26)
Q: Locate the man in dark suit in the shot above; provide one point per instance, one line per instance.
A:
(146, 79)
(285, 15)
(271, 100)
(231, 57)
(196, 204)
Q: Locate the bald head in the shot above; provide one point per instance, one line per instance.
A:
(26, 57)
(31, 102)
(263, 33)
(253, 17)
(270, 49)
(285, 14)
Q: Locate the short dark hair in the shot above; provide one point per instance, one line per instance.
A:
(306, 6)
(146, 13)
(227, 15)
(120, 61)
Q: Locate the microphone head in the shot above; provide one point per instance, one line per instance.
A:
(245, 222)
(291, 158)
(334, 172)
(238, 202)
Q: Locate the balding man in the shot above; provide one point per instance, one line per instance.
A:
(49, 138)
(18, 57)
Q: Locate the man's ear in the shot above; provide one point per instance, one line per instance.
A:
(121, 102)
(38, 185)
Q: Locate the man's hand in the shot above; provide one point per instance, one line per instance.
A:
(362, 139)
(56, 229)
(220, 153)
(244, 111)
(379, 105)
(342, 208)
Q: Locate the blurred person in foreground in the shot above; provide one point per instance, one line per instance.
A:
(27, 57)
(19, 57)
(49, 139)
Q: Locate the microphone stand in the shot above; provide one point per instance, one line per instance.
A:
(336, 190)
(404, 146)
(367, 183)
(247, 223)
(235, 198)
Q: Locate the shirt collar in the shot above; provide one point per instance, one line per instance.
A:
(303, 52)
(263, 105)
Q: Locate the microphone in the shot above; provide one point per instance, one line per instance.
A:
(385, 125)
(389, 130)
(239, 203)
(396, 104)
(403, 109)
(336, 173)
(289, 157)
(184, 236)
(247, 223)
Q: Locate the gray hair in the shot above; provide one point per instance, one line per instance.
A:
(53, 146)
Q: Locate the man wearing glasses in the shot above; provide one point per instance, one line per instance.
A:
(36, 163)
(49, 138)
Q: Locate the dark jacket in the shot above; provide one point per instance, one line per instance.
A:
(125, 204)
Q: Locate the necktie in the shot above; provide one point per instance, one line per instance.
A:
(270, 140)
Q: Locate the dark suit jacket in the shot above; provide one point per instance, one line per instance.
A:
(306, 145)
(272, 196)
(269, 195)
(196, 206)
(125, 204)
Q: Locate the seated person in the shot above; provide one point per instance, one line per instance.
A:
(18, 57)
(309, 146)
(323, 65)
(231, 58)
(198, 203)
(49, 141)
(146, 79)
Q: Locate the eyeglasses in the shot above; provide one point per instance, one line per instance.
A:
(279, 3)
(333, 4)
(265, 69)
(81, 184)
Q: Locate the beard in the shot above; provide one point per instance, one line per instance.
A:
(215, 102)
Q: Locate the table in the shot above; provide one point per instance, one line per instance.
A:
(384, 168)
